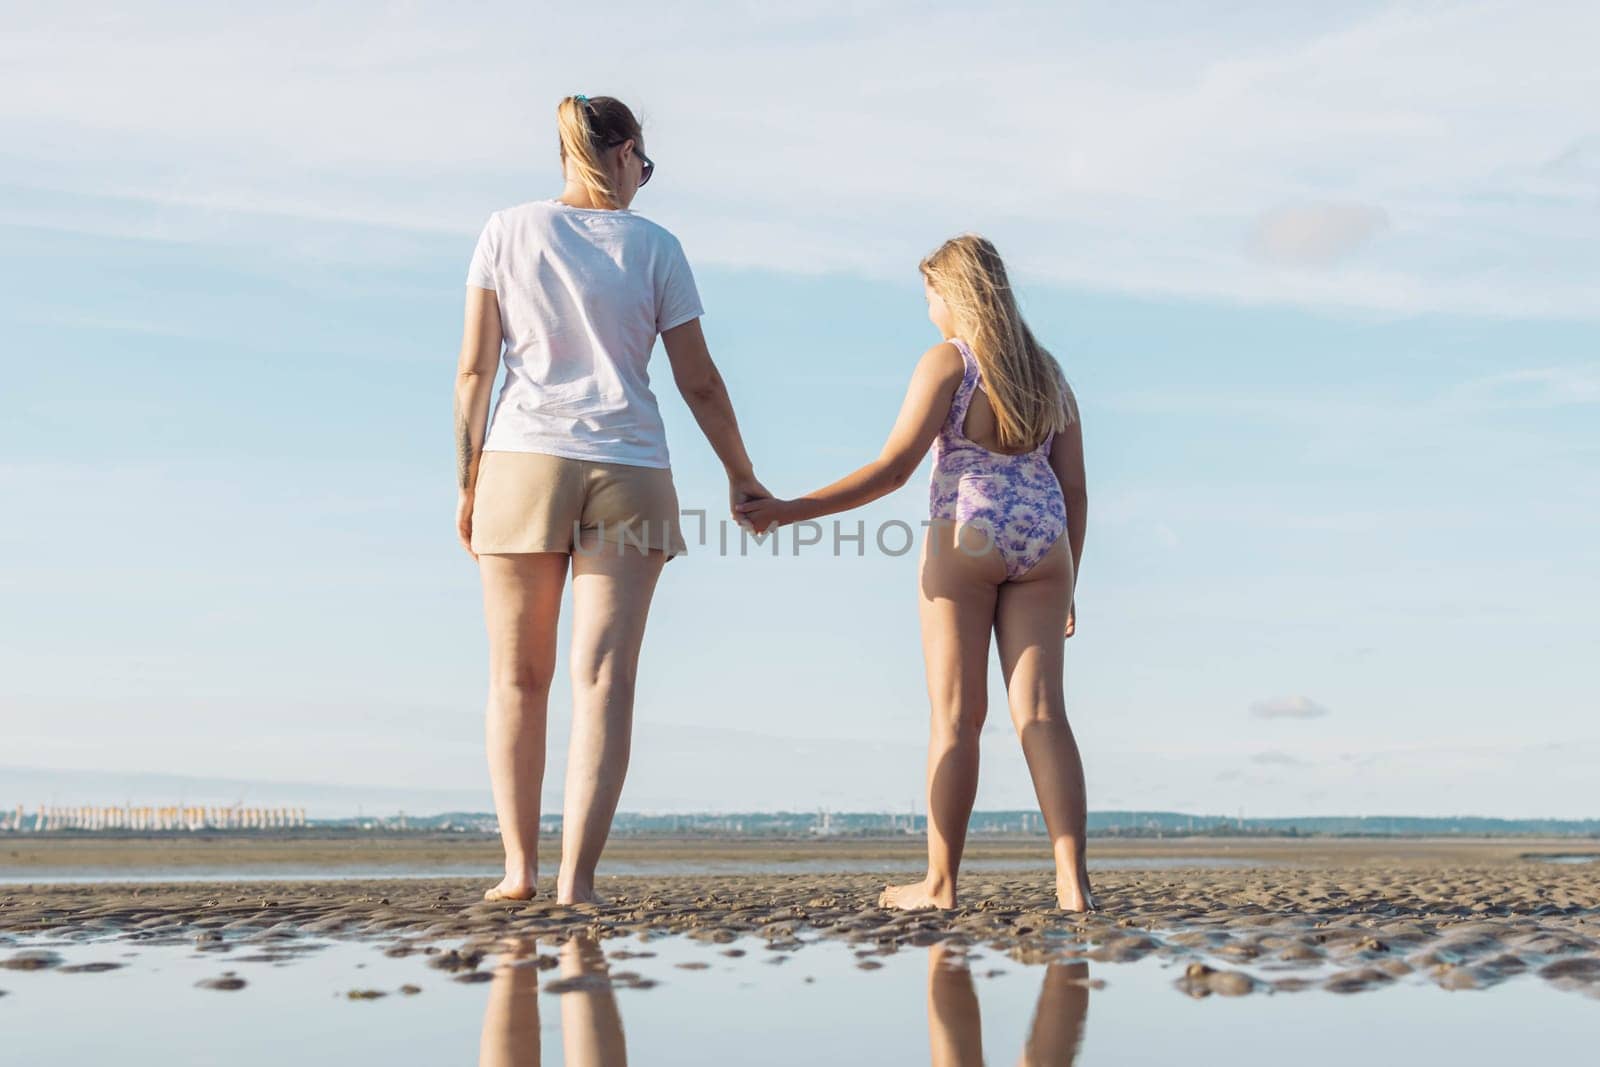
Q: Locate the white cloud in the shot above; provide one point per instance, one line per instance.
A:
(1532, 387)
(1103, 148)
(1272, 757)
(1579, 165)
(1316, 235)
(1295, 707)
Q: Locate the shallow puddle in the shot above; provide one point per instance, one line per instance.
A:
(672, 1000)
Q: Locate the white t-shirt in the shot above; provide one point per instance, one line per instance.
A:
(583, 294)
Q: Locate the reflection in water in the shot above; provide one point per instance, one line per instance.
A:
(591, 1026)
(955, 1030)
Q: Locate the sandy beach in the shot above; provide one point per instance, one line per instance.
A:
(28, 855)
(1337, 915)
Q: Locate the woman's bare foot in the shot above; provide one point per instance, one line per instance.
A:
(1075, 895)
(577, 891)
(511, 889)
(506, 891)
(918, 896)
(591, 897)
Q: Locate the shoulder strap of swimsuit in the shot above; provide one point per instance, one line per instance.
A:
(970, 379)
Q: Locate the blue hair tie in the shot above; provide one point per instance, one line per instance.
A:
(580, 98)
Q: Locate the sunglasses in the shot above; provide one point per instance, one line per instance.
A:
(646, 168)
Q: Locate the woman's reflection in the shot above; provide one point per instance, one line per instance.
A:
(591, 1026)
(955, 1030)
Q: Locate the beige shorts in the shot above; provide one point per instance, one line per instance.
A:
(531, 502)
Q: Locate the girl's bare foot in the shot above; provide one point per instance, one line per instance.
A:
(510, 888)
(918, 896)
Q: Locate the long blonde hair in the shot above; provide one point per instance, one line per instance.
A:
(589, 126)
(1026, 390)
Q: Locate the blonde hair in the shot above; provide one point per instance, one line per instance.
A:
(1026, 390)
(589, 126)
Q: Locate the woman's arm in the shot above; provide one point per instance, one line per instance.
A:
(926, 406)
(1066, 459)
(706, 394)
(475, 371)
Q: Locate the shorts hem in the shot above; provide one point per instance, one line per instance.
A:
(560, 453)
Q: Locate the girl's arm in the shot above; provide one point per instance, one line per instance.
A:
(926, 406)
(1066, 459)
(475, 371)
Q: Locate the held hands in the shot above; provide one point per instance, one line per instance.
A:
(1072, 621)
(742, 491)
(763, 515)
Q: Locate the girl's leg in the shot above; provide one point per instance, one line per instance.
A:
(521, 605)
(1057, 1031)
(958, 600)
(611, 593)
(1030, 620)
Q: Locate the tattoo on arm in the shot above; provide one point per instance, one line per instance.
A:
(464, 454)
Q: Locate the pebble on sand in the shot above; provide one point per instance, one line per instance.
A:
(32, 961)
(456, 961)
(1200, 981)
(1357, 981)
(579, 983)
(226, 983)
(1580, 973)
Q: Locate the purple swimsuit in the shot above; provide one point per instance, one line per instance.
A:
(1016, 500)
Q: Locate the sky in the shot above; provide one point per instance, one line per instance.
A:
(1324, 278)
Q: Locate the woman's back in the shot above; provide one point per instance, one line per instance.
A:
(582, 294)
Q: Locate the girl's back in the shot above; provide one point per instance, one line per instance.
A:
(1014, 498)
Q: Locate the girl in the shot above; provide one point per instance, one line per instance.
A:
(571, 472)
(1008, 507)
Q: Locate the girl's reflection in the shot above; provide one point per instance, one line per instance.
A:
(591, 1026)
(955, 1030)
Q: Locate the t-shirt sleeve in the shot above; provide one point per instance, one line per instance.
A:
(481, 271)
(677, 299)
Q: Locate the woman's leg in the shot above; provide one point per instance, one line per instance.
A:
(958, 599)
(955, 1028)
(611, 593)
(591, 1024)
(521, 606)
(1030, 620)
(511, 1020)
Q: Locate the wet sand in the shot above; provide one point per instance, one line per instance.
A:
(25, 855)
(1348, 916)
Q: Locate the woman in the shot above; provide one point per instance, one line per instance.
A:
(1007, 515)
(572, 472)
